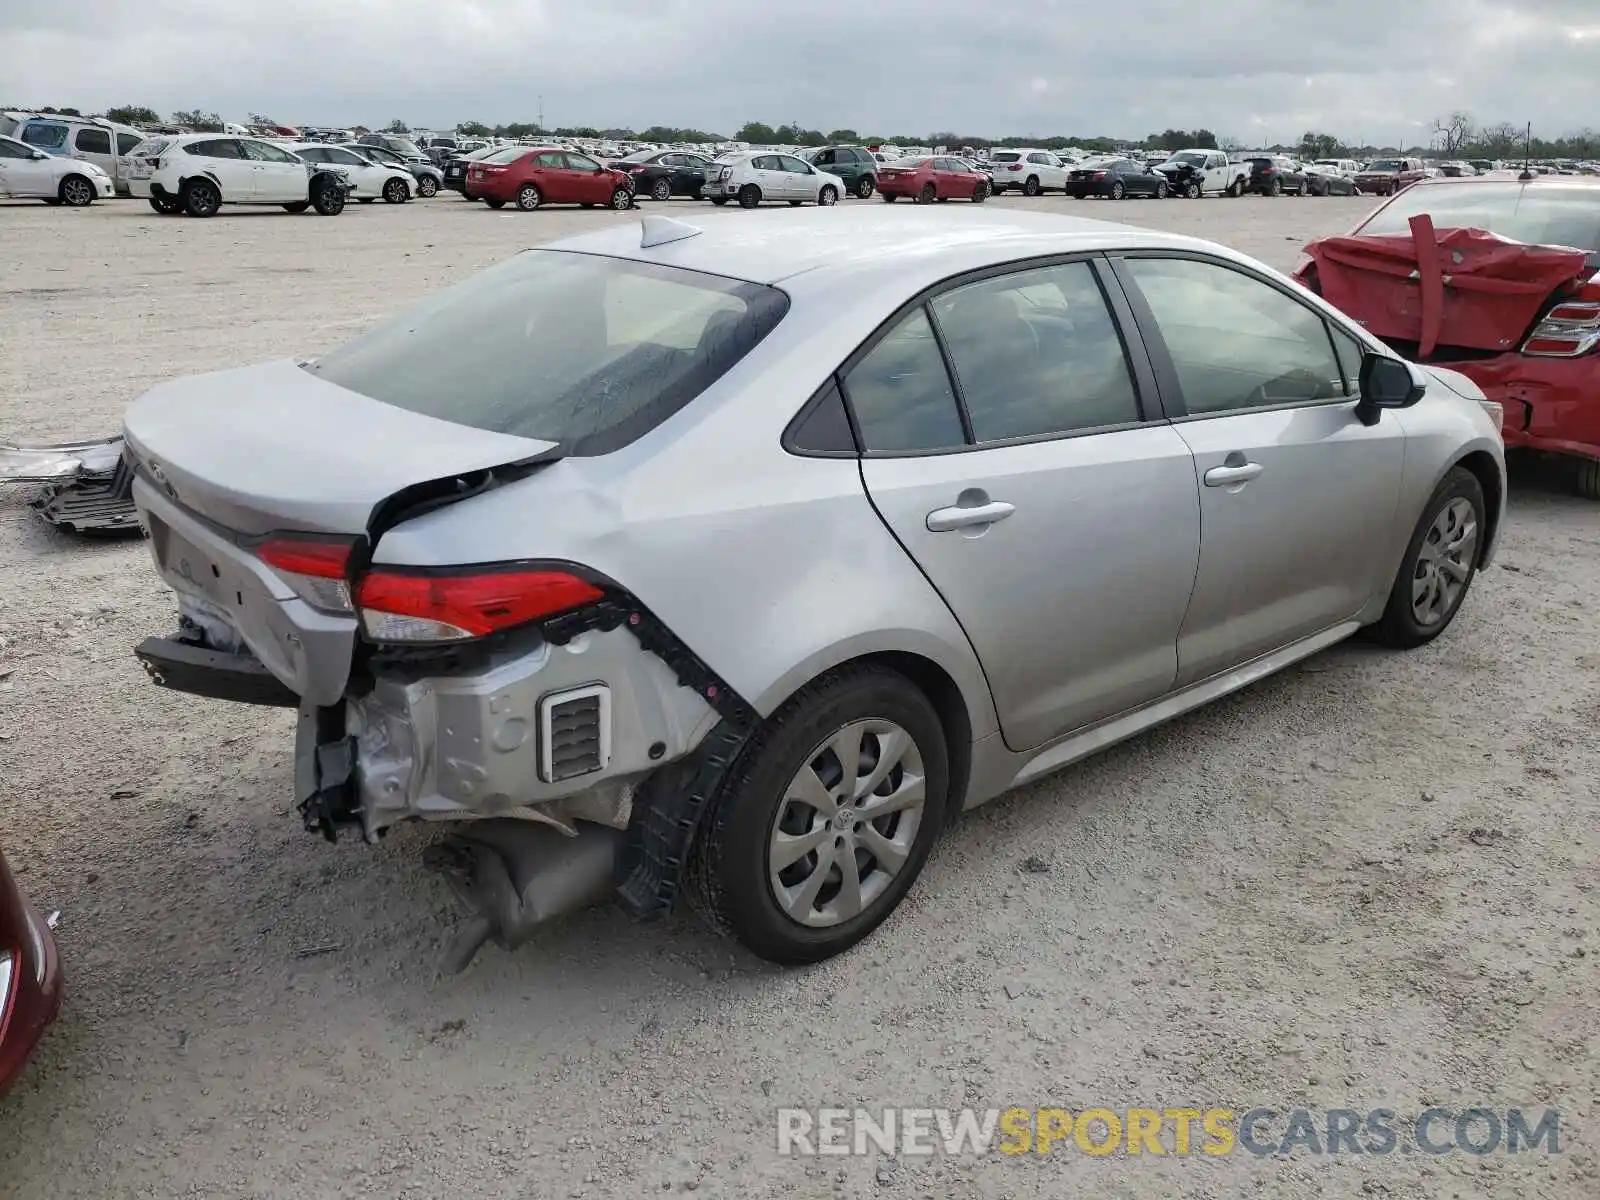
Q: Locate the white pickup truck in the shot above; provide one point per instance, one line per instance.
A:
(1196, 173)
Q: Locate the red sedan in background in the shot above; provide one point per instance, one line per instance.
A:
(1497, 278)
(30, 977)
(925, 180)
(532, 178)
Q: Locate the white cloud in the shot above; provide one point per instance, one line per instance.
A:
(889, 67)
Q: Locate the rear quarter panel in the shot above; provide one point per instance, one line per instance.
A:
(771, 567)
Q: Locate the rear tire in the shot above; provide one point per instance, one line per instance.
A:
(200, 198)
(749, 196)
(1443, 553)
(980, 193)
(495, 203)
(1235, 189)
(1275, 188)
(928, 194)
(865, 187)
(763, 796)
(719, 201)
(76, 192)
(529, 198)
(1118, 190)
(1588, 480)
(828, 196)
(887, 198)
(1031, 187)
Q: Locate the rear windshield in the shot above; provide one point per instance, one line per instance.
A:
(1536, 214)
(578, 349)
(509, 155)
(1007, 156)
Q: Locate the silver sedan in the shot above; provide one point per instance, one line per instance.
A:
(746, 555)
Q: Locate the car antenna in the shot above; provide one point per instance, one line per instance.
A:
(657, 231)
(1527, 154)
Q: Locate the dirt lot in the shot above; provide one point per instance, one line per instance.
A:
(1369, 882)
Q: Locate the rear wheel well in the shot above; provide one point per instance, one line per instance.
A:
(1482, 465)
(941, 690)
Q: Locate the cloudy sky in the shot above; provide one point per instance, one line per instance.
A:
(1258, 70)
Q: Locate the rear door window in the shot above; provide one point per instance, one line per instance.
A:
(901, 392)
(92, 141)
(582, 350)
(127, 141)
(216, 148)
(1036, 353)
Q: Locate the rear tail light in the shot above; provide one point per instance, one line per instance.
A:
(1098, 175)
(1269, 170)
(1014, 167)
(1566, 331)
(317, 568)
(407, 605)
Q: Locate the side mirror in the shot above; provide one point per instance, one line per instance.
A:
(1385, 383)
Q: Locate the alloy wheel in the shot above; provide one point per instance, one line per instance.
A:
(77, 192)
(661, 189)
(847, 823)
(1444, 563)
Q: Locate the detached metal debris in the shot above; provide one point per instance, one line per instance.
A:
(87, 487)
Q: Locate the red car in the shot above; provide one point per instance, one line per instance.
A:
(532, 178)
(30, 977)
(1495, 278)
(925, 180)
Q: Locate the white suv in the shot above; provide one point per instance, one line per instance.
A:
(1028, 171)
(751, 176)
(26, 173)
(368, 179)
(197, 173)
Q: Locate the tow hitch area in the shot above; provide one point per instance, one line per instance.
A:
(87, 487)
(517, 875)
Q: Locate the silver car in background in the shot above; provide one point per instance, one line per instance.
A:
(747, 556)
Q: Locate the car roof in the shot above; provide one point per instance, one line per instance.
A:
(1543, 183)
(890, 243)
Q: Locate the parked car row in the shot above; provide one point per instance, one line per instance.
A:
(196, 174)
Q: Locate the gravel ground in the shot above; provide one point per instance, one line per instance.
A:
(1368, 882)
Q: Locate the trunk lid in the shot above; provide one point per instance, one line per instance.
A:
(1464, 288)
(222, 459)
(274, 447)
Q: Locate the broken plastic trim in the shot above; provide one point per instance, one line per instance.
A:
(88, 488)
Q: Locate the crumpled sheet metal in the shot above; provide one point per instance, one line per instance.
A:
(87, 488)
(54, 463)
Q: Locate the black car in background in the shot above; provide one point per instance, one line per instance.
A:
(455, 169)
(1273, 175)
(663, 174)
(1116, 178)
